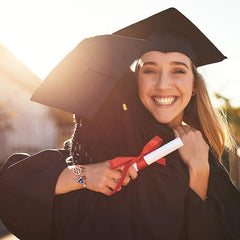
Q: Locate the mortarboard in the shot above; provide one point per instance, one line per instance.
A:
(171, 31)
(84, 78)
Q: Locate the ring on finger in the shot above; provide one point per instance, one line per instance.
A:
(117, 179)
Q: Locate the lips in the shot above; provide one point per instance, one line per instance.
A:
(165, 101)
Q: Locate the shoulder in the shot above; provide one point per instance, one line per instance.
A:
(41, 158)
(219, 175)
(217, 167)
(56, 154)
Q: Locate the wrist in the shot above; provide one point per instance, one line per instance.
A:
(79, 174)
(199, 168)
(198, 180)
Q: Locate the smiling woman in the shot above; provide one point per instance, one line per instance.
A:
(78, 193)
(166, 84)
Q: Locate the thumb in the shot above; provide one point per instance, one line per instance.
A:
(176, 133)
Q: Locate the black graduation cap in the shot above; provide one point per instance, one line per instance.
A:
(171, 31)
(82, 80)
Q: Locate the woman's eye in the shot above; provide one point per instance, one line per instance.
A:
(179, 71)
(148, 71)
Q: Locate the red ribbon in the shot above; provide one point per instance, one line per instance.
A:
(141, 163)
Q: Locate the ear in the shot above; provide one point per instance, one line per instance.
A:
(194, 88)
(194, 91)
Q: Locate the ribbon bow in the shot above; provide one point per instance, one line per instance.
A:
(139, 160)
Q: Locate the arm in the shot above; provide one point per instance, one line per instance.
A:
(100, 178)
(194, 153)
(217, 216)
(198, 181)
(27, 193)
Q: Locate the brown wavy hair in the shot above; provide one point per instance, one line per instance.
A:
(201, 115)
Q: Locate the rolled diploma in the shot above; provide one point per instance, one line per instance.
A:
(161, 151)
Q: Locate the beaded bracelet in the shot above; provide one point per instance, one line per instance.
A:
(80, 172)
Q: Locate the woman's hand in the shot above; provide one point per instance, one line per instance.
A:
(100, 178)
(194, 153)
(195, 150)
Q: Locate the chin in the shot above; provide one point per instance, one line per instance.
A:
(170, 122)
(162, 121)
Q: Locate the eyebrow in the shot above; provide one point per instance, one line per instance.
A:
(149, 63)
(172, 63)
(179, 63)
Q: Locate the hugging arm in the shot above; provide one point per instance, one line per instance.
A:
(218, 216)
(27, 193)
(212, 204)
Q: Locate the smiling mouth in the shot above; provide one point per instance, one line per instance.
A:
(164, 100)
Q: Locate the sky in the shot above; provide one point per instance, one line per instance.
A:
(41, 32)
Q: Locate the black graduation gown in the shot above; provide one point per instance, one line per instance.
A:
(157, 205)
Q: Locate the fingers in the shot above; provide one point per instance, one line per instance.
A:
(176, 133)
(106, 190)
(132, 172)
(114, 174)
(111, 177)
(182, 130)
(102, 178)
(187, 134)
(126, 180)
(194, 153)
(110, 183)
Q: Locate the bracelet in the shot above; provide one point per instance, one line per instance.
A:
(80, 172)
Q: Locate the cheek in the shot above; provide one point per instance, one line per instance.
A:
(145, 82)
(187, 86)
(141, 87)
(189, 89)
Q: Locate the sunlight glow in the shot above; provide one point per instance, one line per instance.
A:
(41, 32)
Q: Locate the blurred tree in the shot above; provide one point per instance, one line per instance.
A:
(232, 160)
(232, 114)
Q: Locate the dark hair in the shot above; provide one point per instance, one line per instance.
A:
(113, 131)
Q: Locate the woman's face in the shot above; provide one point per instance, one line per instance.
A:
(166, 84)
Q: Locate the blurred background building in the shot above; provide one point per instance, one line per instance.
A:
(26, 126)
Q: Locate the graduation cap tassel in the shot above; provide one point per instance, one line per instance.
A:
(130, 133)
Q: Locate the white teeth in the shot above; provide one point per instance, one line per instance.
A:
(164, 101)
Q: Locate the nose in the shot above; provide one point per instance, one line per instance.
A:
(163, 82)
